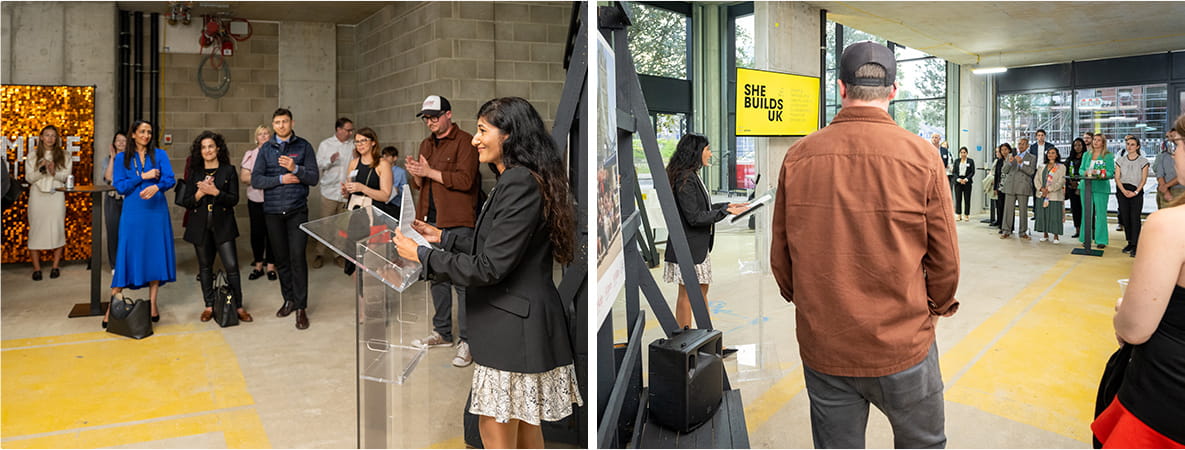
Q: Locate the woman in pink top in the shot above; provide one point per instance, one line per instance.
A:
(259, 245)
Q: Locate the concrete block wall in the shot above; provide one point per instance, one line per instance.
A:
(254, 92)
(469, 52)
(64, 43)
(347, 70)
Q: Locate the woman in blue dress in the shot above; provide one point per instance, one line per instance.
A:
(144, 256)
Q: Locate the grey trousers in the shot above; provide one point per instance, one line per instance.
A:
(442, 301)
(911, 399)
(1010, 205)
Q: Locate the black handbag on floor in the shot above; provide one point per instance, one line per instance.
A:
(225, 311)
(136, 322)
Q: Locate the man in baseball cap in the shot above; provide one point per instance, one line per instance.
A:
(445, 172)
(866, 333)
(434, 105)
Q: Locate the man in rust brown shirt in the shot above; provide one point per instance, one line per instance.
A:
(864, 245)
(446, 175)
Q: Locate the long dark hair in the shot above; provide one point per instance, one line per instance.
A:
(529, 145)
(129, 151)
(195, 154)
(57, 153)
(1009, 148)
(1057, 159)
(687, 159)
(375, 157)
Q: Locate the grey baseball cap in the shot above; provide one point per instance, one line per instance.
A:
(867, 52)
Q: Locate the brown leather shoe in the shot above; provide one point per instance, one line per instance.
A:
(316, 263)
(302, 320)
(285, 310)
(244, 316)
(207, 315)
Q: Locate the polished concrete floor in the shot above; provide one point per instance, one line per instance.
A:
(69, 384)
(1020, 360)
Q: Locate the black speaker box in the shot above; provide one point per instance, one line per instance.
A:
(686, 379)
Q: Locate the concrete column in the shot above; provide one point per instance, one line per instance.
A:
(975, 119)
(787, 41)
(308, 77)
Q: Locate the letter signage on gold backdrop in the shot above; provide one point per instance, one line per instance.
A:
(24, 111)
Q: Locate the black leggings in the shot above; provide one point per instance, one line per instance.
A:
(963, 198)
(261, 249)
(230, 261)
(1129, 213)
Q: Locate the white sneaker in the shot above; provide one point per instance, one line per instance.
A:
(1044, 239)
(463, 357)
(1056, 241)
(432, 340)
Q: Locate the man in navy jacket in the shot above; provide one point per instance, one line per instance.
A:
(284, 170)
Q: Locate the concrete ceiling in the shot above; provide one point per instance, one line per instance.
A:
(1017, 34)
(337, 12)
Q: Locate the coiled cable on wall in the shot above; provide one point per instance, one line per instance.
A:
(223, 76)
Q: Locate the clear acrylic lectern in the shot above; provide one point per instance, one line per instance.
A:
(392, 311)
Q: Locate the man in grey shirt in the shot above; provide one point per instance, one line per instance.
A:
(1168, 186)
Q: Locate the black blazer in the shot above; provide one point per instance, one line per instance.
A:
(214, 213)
(516, 319)
(969, 174)
(699, 217)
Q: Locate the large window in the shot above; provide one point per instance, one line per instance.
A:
(1140, 111)
(660, 41)
(920, 106)
(742, 171)
(1021, 115)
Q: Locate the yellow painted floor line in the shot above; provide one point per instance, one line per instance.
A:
(620, 334)
(1042, 367)
(89, 389)
(956, 361)
(774, 399)
(457, 442)
(94, 336)
(240, 428)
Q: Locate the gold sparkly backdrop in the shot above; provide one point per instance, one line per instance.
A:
(24, 111)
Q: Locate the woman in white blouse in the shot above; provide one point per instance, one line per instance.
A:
(46, 170)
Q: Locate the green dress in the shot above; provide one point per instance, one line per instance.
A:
(1100, 193)
(1050, 219)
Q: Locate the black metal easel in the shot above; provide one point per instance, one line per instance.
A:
(619, 367)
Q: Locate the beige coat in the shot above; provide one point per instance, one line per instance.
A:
(1057, 185)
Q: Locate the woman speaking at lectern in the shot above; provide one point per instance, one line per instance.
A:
(518, 329)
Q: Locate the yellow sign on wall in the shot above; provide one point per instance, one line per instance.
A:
(776, 104)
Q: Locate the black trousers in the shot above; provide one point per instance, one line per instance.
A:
(999, 209)
(112, 210)
(963, 198)
(229, 255)
(1129, 213)
(283, 232)
(260, 247)
(1075, 199)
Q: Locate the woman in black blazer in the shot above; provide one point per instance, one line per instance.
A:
(964, 171)
(210, 193)
(517, 326)
(699, 217)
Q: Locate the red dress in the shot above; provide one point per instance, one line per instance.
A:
(1116, 427)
